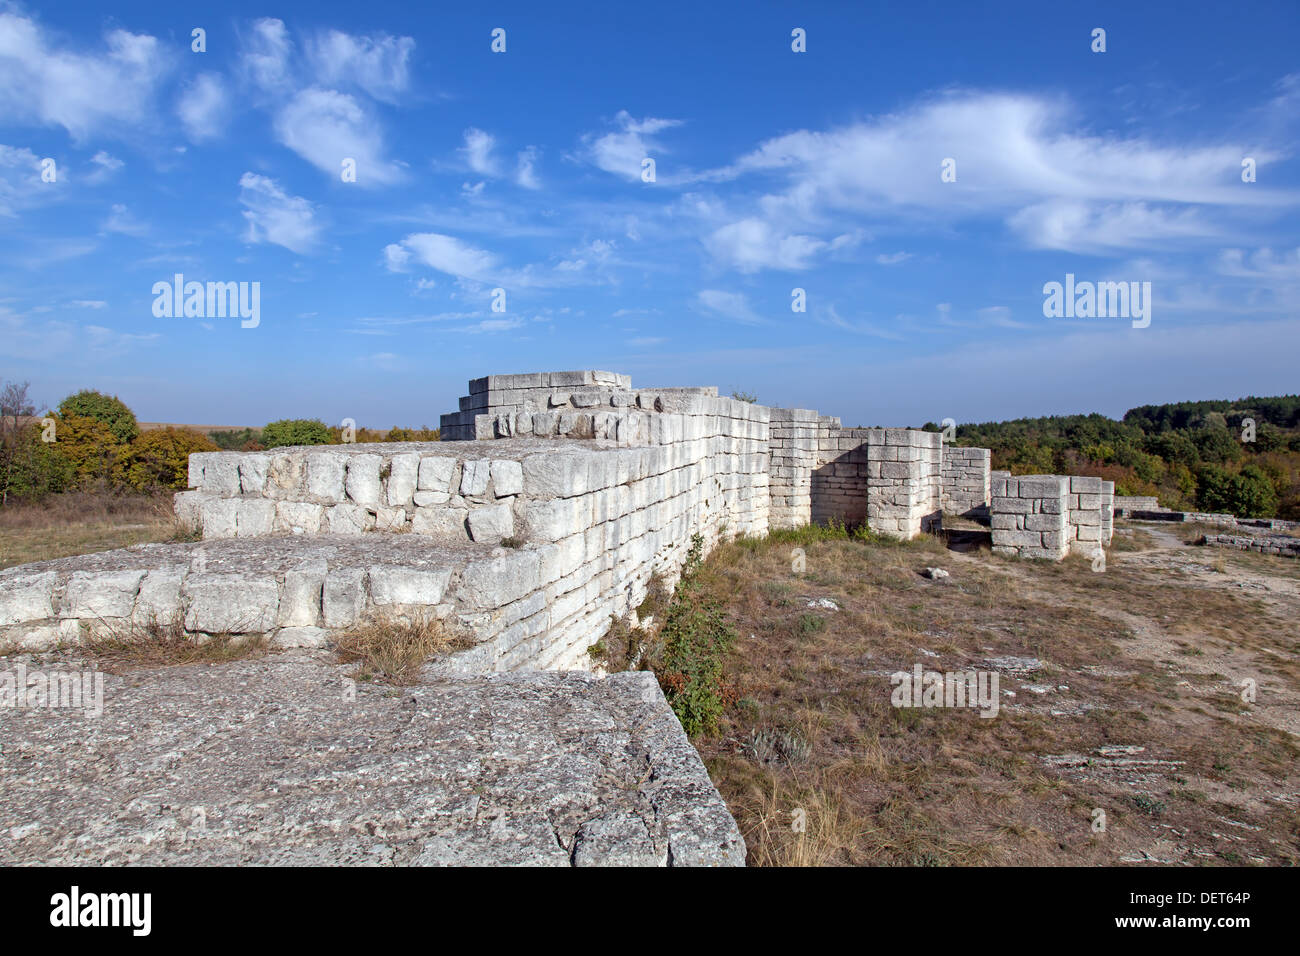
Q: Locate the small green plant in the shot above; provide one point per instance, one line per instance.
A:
(693, 642)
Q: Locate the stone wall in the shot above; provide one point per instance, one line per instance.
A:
(793, 457)
(1086, 512)
(1127, 504)
(966, 483)
(1282, 545)
(1029, 515)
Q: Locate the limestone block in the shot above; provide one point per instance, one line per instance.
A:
(218, 516)
(221, 473)
(435, 474)
(423, 499)
(347, 518)
(491, 523)
(496, 582)
(507, 478)
(159, 598)
(252, 473)
(343, 597)
(300, 597)
(298, 517)
(440, 521)
(391, 584)
(474, 478)
(230, 603)
(391, 520)
(284, 479)
(254, 517)
(363, 484)
(325, 471)
(554, 476)
(188, 506)
(402, 479)
(101, 594)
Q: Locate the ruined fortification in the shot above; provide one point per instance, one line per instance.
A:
(554, 500)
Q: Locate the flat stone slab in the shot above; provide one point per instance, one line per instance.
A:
(283, 761)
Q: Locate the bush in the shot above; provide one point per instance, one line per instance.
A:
(297, 431)
(160, 458)
(1247, 494)
(103, 408)
(95, 457)
(696, 636)
(236, 439)
(30, 469)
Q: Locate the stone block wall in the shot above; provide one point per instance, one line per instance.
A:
(1029, 516)
(495, 395)
(966, 482)
(840, 480)
(792, 452)
(1087, 508)
(904, 495)
(1127, 504)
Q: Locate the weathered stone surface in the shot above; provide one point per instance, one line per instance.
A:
(230, 603)
(524, 769)
(491, 523)
(25, 596)
(363, 484)
(507, 478)
(104, 594)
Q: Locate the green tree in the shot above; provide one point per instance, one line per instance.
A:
(297, 431)
(160, 458)
(108, 409)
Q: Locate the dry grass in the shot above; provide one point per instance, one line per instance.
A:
(1118, 663)
(393, 651)
(163, 644)
(82, 523)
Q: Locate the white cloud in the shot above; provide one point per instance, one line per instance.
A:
(264, 58)
(525, 171)
(1260, 264)
(478, 152)
(325, 127)
(89, 303)
(621, 152)
(1091, 227)
(20, 179)
(85, 93)
(443, 253)
(274, 216)
(204, 108)
(121, 221)
(752, 244)
(731, 305)
(1018, 157)
(893, 258)
(379, 65)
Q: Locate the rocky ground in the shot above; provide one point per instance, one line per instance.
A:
(284, 760)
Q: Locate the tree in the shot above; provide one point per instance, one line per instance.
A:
(14, 404)
(296, 431)
(159, 458)
(108, 409)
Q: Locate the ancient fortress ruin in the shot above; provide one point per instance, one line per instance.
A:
(552, 501)
(542, 517)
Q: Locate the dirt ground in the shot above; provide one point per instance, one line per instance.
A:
(1148, 709)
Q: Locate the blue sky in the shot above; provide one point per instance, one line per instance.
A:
(774, 170)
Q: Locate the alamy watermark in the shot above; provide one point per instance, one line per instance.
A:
(922, 688)
(1099, 300)
(210, 300)
(22, 689)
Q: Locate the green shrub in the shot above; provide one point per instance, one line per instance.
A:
(160, 458)
(695, 637)
(103, 408)
(297, 431)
